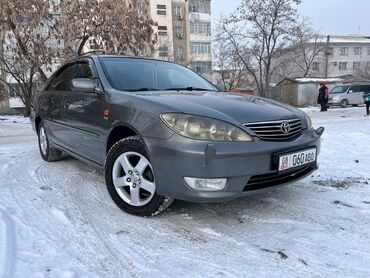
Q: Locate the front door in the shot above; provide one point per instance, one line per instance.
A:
(82, 116)
(52, 104)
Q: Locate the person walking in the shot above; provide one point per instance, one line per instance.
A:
(367, 102)
(323, 97)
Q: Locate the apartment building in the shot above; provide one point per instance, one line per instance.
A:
(337, 56)
(341, 55)
(184, 33)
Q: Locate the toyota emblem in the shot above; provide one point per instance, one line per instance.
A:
(285, 127)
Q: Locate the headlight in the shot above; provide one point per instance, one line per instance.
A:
(308, 121)
(201, 128)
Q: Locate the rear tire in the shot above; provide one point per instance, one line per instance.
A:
(130, 179)
(48, 153)
(344, 103)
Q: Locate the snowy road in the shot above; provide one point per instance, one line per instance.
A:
(57, 219)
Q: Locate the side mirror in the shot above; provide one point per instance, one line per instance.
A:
(350, 91)
(83, 85)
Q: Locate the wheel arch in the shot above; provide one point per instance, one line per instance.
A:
(37, 123)
(345, 100)
(117, 133)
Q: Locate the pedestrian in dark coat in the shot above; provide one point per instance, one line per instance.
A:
(323, 97)
(367, 102)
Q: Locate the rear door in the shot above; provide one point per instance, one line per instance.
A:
(82, 115)
(358, 94)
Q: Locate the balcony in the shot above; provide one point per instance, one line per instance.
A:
(193, 17)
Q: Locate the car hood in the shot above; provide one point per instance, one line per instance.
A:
(225, 106)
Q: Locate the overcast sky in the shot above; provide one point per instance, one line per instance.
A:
(334, 17)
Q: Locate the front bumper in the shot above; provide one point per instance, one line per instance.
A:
(239, 162)
(333, 102)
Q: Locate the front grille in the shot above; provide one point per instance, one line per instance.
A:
(273, 131)
(276, 178)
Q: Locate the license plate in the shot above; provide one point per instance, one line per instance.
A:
(296, 159)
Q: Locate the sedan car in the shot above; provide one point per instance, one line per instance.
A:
(161, 132)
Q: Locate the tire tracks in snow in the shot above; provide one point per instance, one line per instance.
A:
(8, 245)
(120, 259)
(64, 185)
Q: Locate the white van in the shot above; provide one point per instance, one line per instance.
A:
(348, 94)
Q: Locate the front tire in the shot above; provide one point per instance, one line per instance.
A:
(48, 153)
(130, 179)
(344, 103)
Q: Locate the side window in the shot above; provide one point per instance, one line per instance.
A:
(357, 89)
(362, 88)
(62, 80)
(83, 70)
(86, 69)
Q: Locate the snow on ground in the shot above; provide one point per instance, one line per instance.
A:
(57, 219)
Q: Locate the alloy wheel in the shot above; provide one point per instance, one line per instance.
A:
(43, 141)
(133, 178)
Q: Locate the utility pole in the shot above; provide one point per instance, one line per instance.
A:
(327, 53)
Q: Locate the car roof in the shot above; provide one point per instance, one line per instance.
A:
(353, 84)
(97, 56)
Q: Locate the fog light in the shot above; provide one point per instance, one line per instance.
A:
(206, 184)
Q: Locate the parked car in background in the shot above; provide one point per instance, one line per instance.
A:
(161, 132)
(348, 94)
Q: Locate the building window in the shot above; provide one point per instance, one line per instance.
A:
(180, 53)
(142, 8)
(162, 30)
(13, 89)
(315, 66)
(161, 9)
(179, 31)
(163, 51)
(200, 28)
(200, 48)
(342, 65)
(201, 7)
(358, 50)
(356, 65)
(201, 68)
(344, 51)
(178, 12)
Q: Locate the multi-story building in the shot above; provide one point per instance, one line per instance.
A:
(341, 55)
(184, 33)
(336, 56)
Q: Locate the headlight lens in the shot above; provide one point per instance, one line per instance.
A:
(202, 128)
(308, 121)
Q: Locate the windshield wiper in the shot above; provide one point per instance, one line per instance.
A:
(142, 90)
(187, 89)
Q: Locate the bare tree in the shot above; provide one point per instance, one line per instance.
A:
(257, 31)
(363, 71)
(28, 45)
(114, 27)
(38, 33)
(3, 94)
(306, 48)
(228, 65)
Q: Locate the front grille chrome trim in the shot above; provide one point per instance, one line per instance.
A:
(271, 131)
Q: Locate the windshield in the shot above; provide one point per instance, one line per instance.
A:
(128, 74)
(339, 90)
